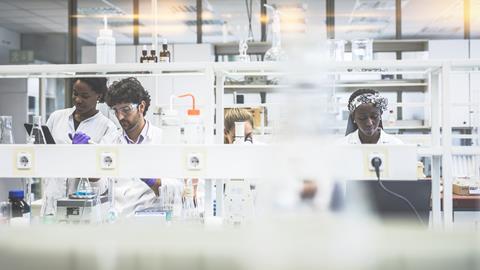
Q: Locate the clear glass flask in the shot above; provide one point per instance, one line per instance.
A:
(6, 127)
(36, 136)
(84, 188)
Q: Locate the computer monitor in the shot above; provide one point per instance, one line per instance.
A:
(387, 206)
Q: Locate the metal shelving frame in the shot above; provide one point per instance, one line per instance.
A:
(437, 72)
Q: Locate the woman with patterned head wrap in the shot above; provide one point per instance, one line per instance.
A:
(365, 120)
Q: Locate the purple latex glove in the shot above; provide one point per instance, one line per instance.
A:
(149, 181)
(79, 138)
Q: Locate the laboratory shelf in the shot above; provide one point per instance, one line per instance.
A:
(247, 86)
(96, 70)
(252, 105)
(381, 83)
(435, 83)
(465, 150)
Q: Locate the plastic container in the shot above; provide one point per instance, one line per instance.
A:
(170, 124)
(194, 130)
(20, 209)
(105, 45)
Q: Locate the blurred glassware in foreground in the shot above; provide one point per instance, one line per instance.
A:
(5, 212)
(36, 135)
(336, 49)
(6, 136)
(242, 51)
(362, 49)
(275, 53)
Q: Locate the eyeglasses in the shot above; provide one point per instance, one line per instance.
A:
(124, 110)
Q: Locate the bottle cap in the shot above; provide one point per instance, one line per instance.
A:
(191, 111)
(16, 194)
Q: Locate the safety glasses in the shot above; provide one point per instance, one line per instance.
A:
(124, 109)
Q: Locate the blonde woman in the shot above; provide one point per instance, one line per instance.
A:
(237, 115)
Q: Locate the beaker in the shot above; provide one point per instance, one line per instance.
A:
(362, 49)
(36, 135)
(6, 136)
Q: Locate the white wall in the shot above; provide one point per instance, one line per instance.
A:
(13, 101)
(9, 40)
(459, 83)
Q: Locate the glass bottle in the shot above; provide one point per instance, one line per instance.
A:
(153, 56)
(144, 57)
(6, 136)
(36, 136)
(165, 53)
(19, 207)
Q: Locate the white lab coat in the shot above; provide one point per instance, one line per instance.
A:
(385, 138)
(61, 124)
(132, 193)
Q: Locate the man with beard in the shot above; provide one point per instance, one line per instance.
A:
(130, 102)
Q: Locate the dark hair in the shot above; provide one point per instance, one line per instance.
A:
(351, 126)
(128, 90)
(98, 85)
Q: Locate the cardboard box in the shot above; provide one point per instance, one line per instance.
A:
(466, 187)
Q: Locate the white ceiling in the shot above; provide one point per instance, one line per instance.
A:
(354, 18)
(34, 16)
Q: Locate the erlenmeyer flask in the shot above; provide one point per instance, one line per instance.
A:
(36, 135)
(6, 136)
(84, 187)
